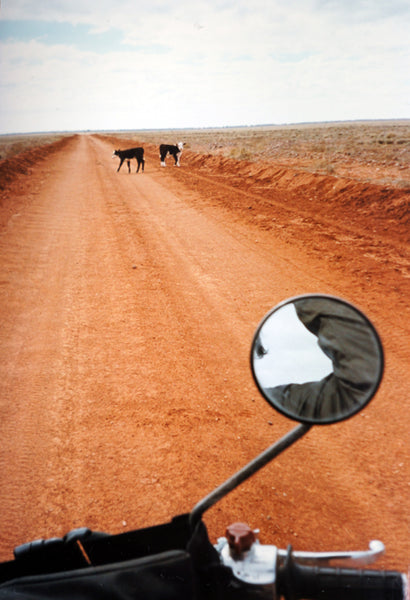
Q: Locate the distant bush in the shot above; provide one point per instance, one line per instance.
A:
(240, 154)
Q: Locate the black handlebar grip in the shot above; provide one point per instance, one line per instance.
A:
(296, 582)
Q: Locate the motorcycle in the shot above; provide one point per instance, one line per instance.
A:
(317, 360)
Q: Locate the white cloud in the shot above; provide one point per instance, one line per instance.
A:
(207, 63)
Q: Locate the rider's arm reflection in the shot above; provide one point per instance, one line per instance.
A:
(346, 339)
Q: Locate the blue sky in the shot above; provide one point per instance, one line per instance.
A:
(82, 65)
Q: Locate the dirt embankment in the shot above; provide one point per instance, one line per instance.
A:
(329, 195)
(14, 172)
(385, 207)
(20, 161)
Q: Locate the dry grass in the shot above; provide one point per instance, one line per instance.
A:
(382, 140)
(11, 145)
(375, 151)
(365, 150)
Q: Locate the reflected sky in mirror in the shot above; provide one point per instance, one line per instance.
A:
(292, 352)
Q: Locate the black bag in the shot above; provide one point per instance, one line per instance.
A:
(164, 562)
(165, 576)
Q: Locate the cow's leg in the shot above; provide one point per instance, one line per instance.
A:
(121, 161)
(163, 159)
(129, 166)
(138, 166)
(143, 164)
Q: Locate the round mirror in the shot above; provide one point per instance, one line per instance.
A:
(317, 359)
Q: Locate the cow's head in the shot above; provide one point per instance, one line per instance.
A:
(180, 145)
(115, 153)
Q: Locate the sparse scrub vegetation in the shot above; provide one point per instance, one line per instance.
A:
(11, 145)
(363, 150)
(373, 151)
(240, 154)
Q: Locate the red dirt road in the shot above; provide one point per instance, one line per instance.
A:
(128, 305)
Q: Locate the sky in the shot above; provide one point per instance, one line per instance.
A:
(73, 65)
(292, 351)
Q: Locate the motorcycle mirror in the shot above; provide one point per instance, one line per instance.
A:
(317, 359)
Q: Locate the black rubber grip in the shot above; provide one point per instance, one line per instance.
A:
(297, 582)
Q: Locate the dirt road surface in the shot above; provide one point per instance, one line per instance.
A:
(128, 305)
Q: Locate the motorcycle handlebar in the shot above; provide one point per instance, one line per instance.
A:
(296, 582)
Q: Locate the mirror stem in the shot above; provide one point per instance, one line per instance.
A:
(260, 461)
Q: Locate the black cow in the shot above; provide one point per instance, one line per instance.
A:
(174, 151)
(137, 153)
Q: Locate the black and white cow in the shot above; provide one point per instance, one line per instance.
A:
(137, 153)
(174, 151)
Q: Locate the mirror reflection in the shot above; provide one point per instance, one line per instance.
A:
(317, 359)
